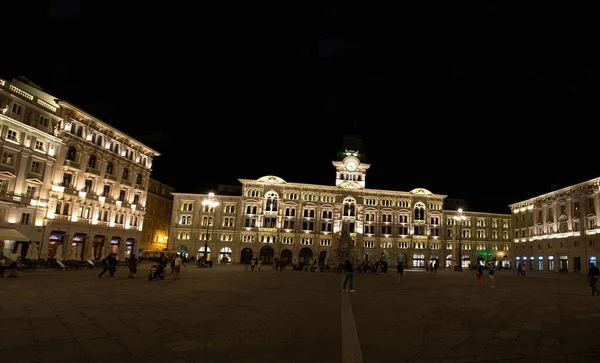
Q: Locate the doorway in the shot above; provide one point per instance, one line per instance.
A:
(577, 263)
(564, 264)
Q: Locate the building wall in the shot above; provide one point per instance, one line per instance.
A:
(382, 224)
(157, 220)
(28, 151)
(557, 231)
(91, 184)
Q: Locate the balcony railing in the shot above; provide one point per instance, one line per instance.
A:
(110, 177)
(11, 197)
(126, 182)
(72, 164)
(92, 171)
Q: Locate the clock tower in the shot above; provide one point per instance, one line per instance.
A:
(350, 172)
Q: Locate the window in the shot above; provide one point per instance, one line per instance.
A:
(288, 224)
(25, 219)
(247, 238)
(44, 121)
(88, 186)
(36, 167)
(230, 208)
(122, 195)
(92, 162)
(109, 168)
(187, 206)
(106, 191)
(138, 179)
(250, 222)
(306, 241)
(228, 222)
(17, 109)
(8, 158)
(125, 175)
(186, 220)
(39, 145)
(207, 221)
(30, 193)
(183, 235)
(12, 135)
(67, 179)
(326, 227)
(71, 153)
(370, 201)
(349, 208)
(290, 212)
(271, 202)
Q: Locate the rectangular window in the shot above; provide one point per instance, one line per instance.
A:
(44, 121)
(25, 219)
(39, 145)
(36, 167)
(12, 135)
(30, 193)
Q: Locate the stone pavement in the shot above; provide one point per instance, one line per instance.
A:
(225, 314)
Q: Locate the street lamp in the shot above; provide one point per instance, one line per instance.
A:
(211, 203)
(459, 218)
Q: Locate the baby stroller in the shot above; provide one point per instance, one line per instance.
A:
(156, 273)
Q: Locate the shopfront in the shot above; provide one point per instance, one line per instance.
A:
(98, 246)
(55, 239)
(130, 244)
(550, 263)
(78, 246)
(564, 263)
(540, 263)
(115, 243)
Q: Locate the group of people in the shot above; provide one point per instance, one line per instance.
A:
(110, 262)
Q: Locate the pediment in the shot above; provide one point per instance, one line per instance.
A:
(34, 181)
(271, 179)
(7, 174)
(350, 185)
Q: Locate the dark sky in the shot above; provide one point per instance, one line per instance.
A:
(485, 101)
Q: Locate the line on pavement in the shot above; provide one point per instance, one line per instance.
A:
(351, 352)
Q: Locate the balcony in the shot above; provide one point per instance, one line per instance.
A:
(110, 177)
(11, 197)
(71, 165)
(126, 182)
(267, 229)
(139, 187)
(92, 171)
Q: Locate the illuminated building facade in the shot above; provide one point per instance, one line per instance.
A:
(159, 204)
(557, 231)
(84, 182)
(275, 218)
(28, 150)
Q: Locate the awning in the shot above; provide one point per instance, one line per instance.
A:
(11, 234)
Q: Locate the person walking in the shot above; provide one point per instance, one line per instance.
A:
(492, 277)
(133, 262)
(479, 275)
(592, 278)
(178, 262)
(519, 270)
(400, 270)
(348, 275)
(258, 264)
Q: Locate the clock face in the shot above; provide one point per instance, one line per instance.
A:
(351, 166)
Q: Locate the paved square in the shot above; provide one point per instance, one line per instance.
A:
(225, 314)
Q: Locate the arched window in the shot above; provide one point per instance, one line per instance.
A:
(271, 202)
(349, 207)
(109, 168)
(71, 153)
(125, 174)
(138, 180)
(419, 212)
(92, 162)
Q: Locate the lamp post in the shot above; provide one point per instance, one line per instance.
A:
(459, 218)
(211, 203)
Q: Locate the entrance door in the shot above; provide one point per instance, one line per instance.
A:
(577, 263)
(246, 255)
(564, 265)
(266, 255)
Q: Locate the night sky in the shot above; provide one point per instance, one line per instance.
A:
(491, 103)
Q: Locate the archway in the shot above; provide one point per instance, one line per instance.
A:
(402, 259)
(448, 260)
(435, 260)
(183, 251)
(305, 256)
(266, 255)
(202, 255)
(225, 255)
(322, 257)
(286, 256)
(246, 255)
